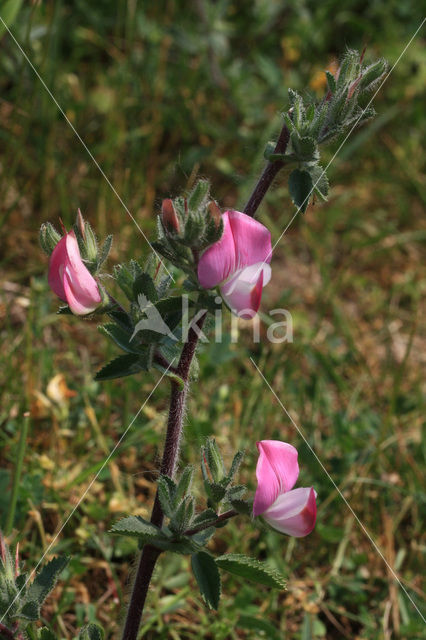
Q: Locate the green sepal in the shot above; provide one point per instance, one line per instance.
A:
(235, 465)
(208, 578)
(183, 515)
(300, 187)
(331, 82)
(104, 252)
(64, 311)
(122, 366)
(184, 483)
(251, 569)
(199, 195)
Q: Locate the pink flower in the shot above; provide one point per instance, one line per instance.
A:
(288, 510)
(238, 263)
(70, 279)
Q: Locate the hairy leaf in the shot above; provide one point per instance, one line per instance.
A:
(208, 578)
(251, 569)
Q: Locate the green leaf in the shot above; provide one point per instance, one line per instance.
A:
(120, 367)
(236, 492)
(44, 582)
(319, 181)
(205, 517)
(300, 186)
(185, 482)
(202, 537)
(251, 569)
(242, 506)
(121, 318)
(120, 336)
(29, 611)
(257, 624)
(91, 632)
(235, 465)
(165, 496)
(208, 578)
(45, 634)
(144, 285)
(136, 527)
(304, 147)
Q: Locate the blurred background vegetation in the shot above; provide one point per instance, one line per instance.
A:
(161, 93)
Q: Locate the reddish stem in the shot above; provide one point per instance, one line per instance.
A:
(150, 554)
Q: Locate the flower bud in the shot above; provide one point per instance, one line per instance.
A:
(90, 243)
(169, 217)
(70, 279)
(215, 213)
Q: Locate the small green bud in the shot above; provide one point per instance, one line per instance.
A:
(48, 237)
(198, 195)
(90, 243)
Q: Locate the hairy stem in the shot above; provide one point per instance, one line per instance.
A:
(226, 515)
(149, 553)
(268, 175)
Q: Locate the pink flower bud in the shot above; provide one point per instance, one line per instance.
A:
(215, 213)
(169, 216)
(238, 263)
(288, 510)
(70, 279)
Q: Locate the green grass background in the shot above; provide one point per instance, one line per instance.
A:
(163, 92)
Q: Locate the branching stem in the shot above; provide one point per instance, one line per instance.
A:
(268, 175)
(150, 554)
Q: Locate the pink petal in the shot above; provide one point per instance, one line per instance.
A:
(242, 294)
(293, 513)
(82, 295)
(56, 268)
(251, 238)
(70, 279)
(218, 261)
(276, 472)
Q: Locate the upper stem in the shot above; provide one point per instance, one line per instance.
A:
(268, 175)
(150, 554)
